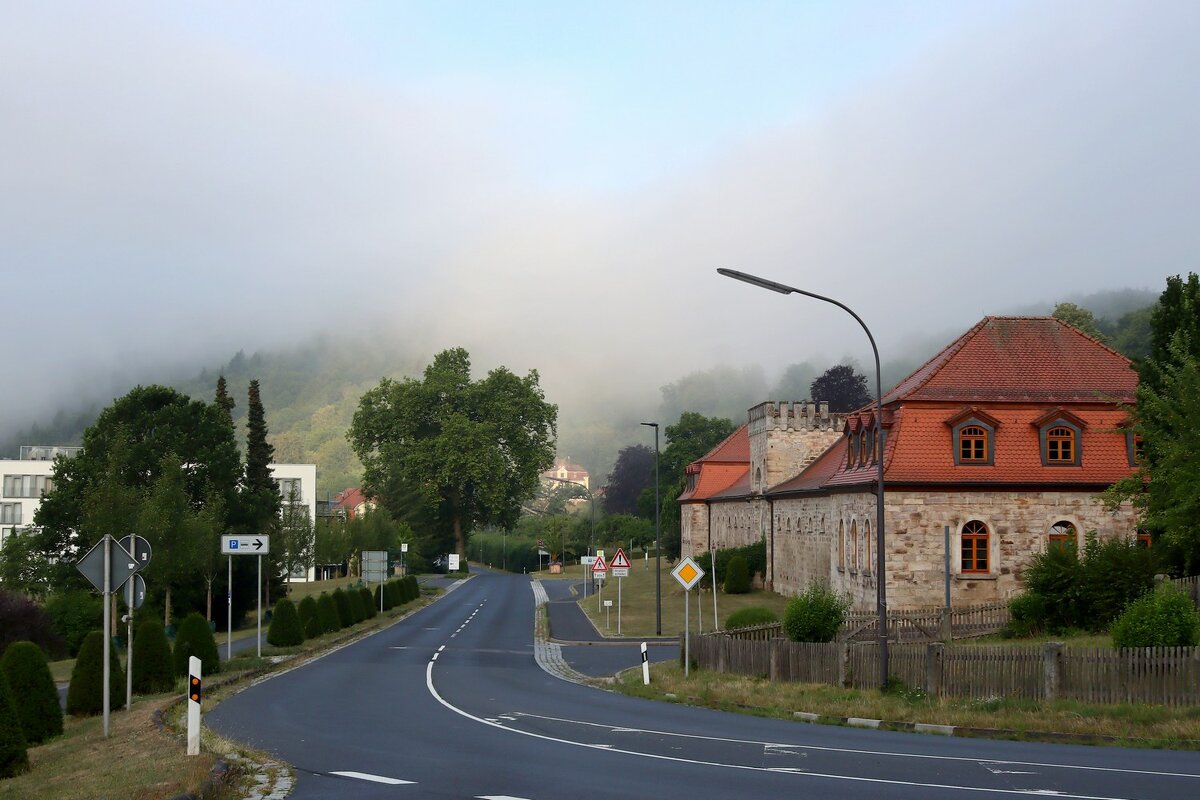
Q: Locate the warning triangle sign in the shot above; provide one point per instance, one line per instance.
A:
(619, 561)
(598, 565)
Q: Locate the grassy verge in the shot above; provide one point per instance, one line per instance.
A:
(1151, 725)
(638, 610)
(141, 762)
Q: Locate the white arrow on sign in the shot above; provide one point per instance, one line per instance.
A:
(233, 545)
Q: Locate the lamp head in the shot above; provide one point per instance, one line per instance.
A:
(649, 424)
(754, 280)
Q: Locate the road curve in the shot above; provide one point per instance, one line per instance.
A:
(449, 703)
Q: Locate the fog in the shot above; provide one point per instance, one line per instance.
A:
(182, 182)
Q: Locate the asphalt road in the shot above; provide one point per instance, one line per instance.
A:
(450, 703)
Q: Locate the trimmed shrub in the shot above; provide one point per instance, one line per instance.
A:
(14, 758)
(327, 614)
(23, 620)
(751, 615)
(369, 603)
(354, 599)
(85, 697)
(312, 628)
(34, 696)
(73, 615)
(153, 664)
(286, 629)
(1165, 617)
(341, 601)
(1027, 612)
(737, 576)
(815, 616)
(307, 609)
(375, 596)
(414, 589)
(195, 638)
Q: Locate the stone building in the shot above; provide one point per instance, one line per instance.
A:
(1005, 438)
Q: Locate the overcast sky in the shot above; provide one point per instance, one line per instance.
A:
(553, 185)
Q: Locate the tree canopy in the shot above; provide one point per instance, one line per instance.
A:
(630, 476)
(473, 450)
(1081, 318)
(842, 386)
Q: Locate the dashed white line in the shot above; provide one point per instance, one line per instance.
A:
(440, 649)
(364, 776)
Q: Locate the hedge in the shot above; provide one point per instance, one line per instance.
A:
(34, 695)
(737, 576)
(286, 629)
(369, 603)
(73, 615)
(751, 615)
(307, 609)
(341, 602)
(1165, 617)
(327, 614)
(814, 616)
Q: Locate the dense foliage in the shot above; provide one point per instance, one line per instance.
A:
(1165, 617)
(843, 387)
(307, 610)
(327, 613)
(630, 476)
(341, 601)
(755, 556)
(737, 576)
(14, 758)
(195, 638)
(815, 616)
(85, 695)
(750, 615)
(74, 614)
(286, 629)
(21, 619)
(34, 695)
(153, 663)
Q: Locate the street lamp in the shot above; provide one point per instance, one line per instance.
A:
(881, 584)
(657, 539)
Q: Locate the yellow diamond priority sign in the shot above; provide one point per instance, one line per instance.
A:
(688, 573)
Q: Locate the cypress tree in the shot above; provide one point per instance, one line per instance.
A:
(370, 604)
(195, 638)
(224, 401)
(261, 499)
(14, 759)
(85, 697)
(327, 613)
(34, 695)
(307, 609)
(153, 668)
(345, 613)
(286, 630)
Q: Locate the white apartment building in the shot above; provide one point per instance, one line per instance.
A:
(24, 480)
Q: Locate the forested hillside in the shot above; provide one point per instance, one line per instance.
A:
(310, 392)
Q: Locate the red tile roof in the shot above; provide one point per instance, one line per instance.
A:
(720, 467)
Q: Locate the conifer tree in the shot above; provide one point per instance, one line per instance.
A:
(33, 693)
(85, 696)
(261, 501)
(153, 667)
(14, 759)
(224, 401)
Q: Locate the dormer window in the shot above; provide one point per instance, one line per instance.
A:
(876, 441)
(974, 437)
(1060, 435)
(864, 447)
(853, 449)
(1134, 448)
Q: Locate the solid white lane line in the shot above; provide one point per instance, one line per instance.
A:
(980, 761)
(363, 776)
(497, 797)
(747, 767)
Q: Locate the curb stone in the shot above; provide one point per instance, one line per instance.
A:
(548, 654)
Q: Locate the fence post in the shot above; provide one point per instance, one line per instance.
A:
(843, 649)
(773, 644)
(947, 631)
(1051, 668)
(722, 646)
(933, 668)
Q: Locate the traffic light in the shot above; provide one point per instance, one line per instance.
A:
(195, 690)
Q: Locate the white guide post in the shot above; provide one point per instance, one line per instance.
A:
(645, 666)
(193, 707)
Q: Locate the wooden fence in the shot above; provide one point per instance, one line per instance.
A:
(918, 625)
(1191, 585)
(1157, 675)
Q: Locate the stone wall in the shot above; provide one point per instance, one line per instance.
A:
(807, 534)
(787, 437)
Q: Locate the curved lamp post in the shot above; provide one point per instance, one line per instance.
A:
(657, 538)
(881, 585)
(592, 507)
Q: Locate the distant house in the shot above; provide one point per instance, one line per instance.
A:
(565, 470)
(351, 503)
(1005, 438)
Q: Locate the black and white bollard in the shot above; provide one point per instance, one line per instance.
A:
(645, 666)
(195, 692)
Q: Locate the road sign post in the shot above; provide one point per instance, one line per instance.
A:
(140, 550)
(374, 568)
(688, 573)
(620, 569)
(107, 566)
(235, 545)
(599, 571)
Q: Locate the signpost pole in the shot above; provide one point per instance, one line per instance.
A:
(619, 606)
(129, 646)
(229, 613)
(105, 696)
(259, 606)
(687, 656)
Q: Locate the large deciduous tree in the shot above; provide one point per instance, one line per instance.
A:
(473, 450)
(842, 386)
(1079, 317)
(631, 474)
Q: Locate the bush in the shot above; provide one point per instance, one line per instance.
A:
(307, 609)
(327, 614)
(414, 589)
(755, 556)
(751, 615)
(195, 638)
(286, 629)
(815, 616)
(153, 665)
(22, 620)
(14, 758)
(1165, 617)
(312, 628)
(85, 697)
(1027, 613)
(737, 576)
(369, 603)
(33, 694)
(73, 615)
(341, 601)
(357, 612)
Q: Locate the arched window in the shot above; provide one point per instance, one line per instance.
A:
(974, 547)
(841, 545)
(854, 544)
(852, 450)
(867, 547)
(1063, 534)
(973, 445)
(864, 447)
(1060, 445)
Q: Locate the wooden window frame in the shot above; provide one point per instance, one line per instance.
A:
(841, 545)
(1075, 440)
(978, 536)
(989, 443)
(1058, 535)
(854, 546)
(974, 438)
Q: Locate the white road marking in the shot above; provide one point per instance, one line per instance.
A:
(435, 655)
(996, 771)
(398, 647)
(363, 776)
(829, 776)
(440, 649)
(497, 797)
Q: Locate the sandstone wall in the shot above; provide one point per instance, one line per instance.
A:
(786, 437)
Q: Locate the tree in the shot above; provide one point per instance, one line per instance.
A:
(223, 401)
(472, 449)
(14, 758)
(33, 692)
(286, 629)
(843, 387)
(153, 669)
(195, 638)
(295, 535)
(632, 473)
(260, 498)
(85, 695)
(1081, 318)
(164, 522)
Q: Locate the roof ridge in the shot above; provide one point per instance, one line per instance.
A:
(721, 444)
(944, 354)
(1093, 340)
